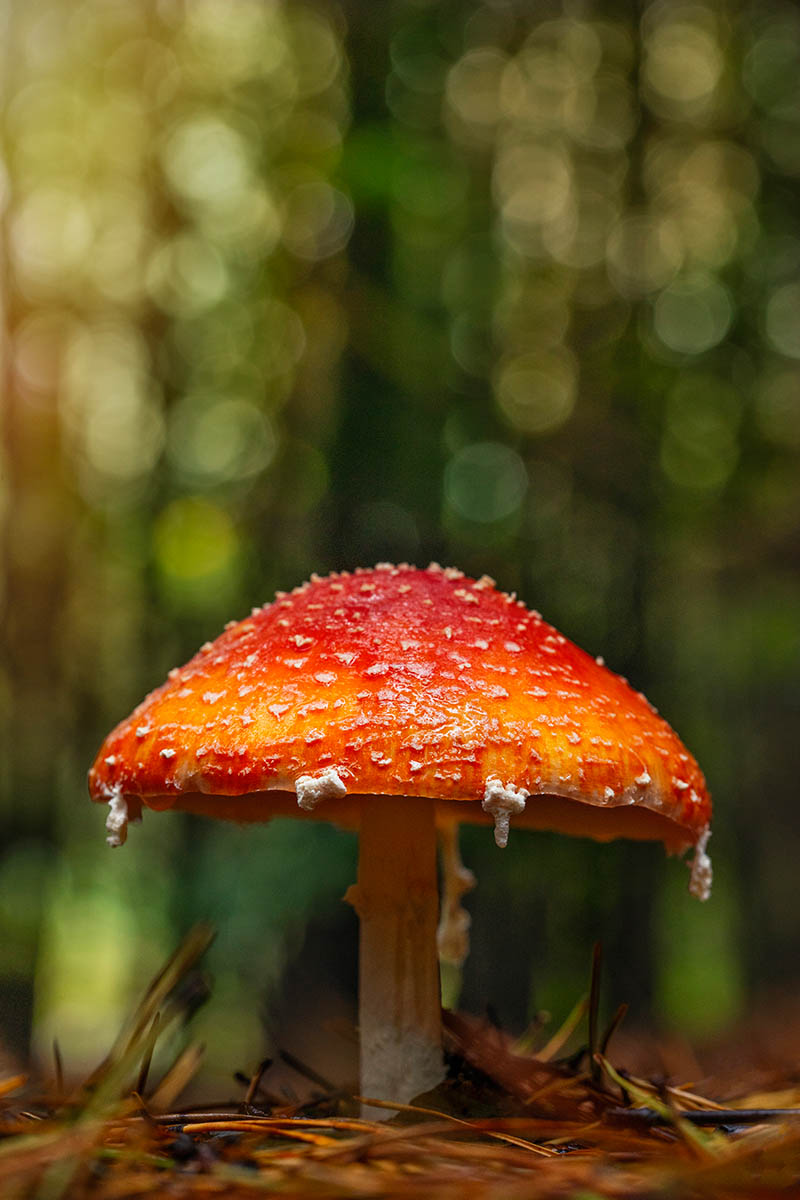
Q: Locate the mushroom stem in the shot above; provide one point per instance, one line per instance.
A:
(396, 898)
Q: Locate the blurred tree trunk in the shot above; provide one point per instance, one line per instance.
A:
(36, 513)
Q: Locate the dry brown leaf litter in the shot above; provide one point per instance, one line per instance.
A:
(507, 1123)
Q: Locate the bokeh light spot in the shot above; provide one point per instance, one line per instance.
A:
(233, 42)
(778, 408)
(683, 63)
(216, 440)
(282, 339)
(194, 540)
(770, 65)
(39, 347)
(319, 220)
(644, 253)
(700, 448)
(473, 87)
(124, 431)
(51, 232)
(187, 275)
(532, 184)
(111, 407)
(205, 159)
(316, 50)
(485, 481)
(693, 314)
(537, 391)
(471, 345)
(142, 73)
(783, 320)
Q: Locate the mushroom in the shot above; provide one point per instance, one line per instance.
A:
(397, 701)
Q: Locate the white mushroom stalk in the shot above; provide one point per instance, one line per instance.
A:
(396, 898)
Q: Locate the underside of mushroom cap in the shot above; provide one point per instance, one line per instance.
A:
(399, 681)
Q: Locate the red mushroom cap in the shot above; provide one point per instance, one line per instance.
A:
(398, 681)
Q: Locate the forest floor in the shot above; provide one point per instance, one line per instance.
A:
(509, 1122)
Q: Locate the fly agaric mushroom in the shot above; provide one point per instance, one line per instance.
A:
(396, 701)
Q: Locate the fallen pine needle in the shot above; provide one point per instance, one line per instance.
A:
(433, 1112)
(12, 1084)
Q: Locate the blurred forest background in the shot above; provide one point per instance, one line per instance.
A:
(289, 287)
